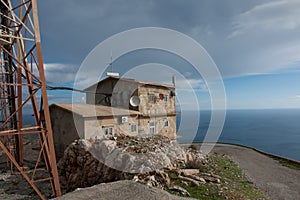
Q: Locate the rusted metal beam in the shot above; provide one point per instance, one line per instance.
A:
(20, 63)
(55, 184)
(22, 69)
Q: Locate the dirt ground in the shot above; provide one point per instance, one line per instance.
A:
(13, 185)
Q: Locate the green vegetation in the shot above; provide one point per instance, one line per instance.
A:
(233, 184)
(287, 163)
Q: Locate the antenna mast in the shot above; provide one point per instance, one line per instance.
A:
(110, 63)
(22, 81)
(111, 74)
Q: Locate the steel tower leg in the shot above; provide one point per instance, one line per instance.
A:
(22, 81)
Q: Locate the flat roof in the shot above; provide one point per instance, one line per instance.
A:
(89, 110)
(132, 81)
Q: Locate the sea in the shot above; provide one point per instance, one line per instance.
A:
(275, 131)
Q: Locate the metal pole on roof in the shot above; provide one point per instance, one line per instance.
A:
(173, 80)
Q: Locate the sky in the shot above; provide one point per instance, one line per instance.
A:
(255, 45)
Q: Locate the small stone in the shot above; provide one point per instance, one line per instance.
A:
(202, 180)
(194, 182)
(180, 190)
(185, 183)
(216, 176)
(152, 178)
(187, 172)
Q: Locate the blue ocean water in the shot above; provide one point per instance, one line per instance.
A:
(274, 131)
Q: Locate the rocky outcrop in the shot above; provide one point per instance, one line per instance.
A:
(89, 162)
(122, 190)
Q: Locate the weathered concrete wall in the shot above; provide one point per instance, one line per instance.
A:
(96, 94)
(95, 127)
(120, 91)
(123, 91)
(64, 129)
(160, 128)
(159, 106)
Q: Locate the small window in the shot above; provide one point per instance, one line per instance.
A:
(166, 123)
(166, 98)
(109, 131)
(133, 128)
(106, 131)
(152, 128)
(151, 98)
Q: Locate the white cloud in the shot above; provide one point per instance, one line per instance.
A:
(272, 16)
(156, 72)
(191, 85)
(59, 73)
(200, 31)
(264, 39)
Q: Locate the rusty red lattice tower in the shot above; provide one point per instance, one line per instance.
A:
(23, 90)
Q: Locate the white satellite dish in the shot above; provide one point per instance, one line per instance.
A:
(134, 101)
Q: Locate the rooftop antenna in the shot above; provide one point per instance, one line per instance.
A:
(111, 74)
(110, 63)
(173, 80)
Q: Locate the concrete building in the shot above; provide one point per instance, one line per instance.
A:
(116, 106)
(154, 101)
